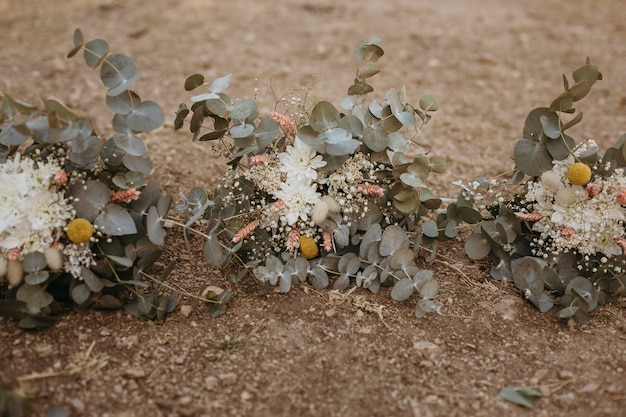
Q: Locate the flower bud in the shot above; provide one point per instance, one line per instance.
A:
(3, 267)
(53, 258)
(15, 273)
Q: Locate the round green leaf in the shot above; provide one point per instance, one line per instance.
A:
(403, 289)
(242, 131)
(528, 277)
(145, 117)
(242, 109)
(80, 294)
(118, 72)
(115, 221)
(429, 289)
(393, 238)
(477, 246)
(156, 232)
(266, 132)
(220, 84)
(429, 103)
(34, 262)
(34, 296)
(324, 116)
(194, 81)
(36, 278)
(89, 198)
(129, 143)
(318, 278)
(430, 229)
(403, 258)
(123, 103)
(410, 180)
(93, 282)
(95, 51)
(141, 163)
(531, 157)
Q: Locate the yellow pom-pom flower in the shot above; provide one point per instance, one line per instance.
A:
(79, 230)
(308, 247)
(579, 173)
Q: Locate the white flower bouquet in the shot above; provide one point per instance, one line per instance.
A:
(561, 233)
(74, 209)
(314, 194)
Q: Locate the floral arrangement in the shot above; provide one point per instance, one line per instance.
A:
(313, 193)
(73, 209)
(560, 232)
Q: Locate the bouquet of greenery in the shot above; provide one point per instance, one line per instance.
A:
(73, 209)
(314, 193)
(561, 230)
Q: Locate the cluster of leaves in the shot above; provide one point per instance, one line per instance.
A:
(507, 240)
(373, 250)
(129, 244)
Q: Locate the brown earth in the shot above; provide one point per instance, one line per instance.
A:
(324, 353)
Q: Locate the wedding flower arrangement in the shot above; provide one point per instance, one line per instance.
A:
(73, 208)
(560, 232)
(317, 194)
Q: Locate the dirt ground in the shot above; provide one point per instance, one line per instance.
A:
(323, 353)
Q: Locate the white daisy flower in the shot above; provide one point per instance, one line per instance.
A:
(300, 198)
(300, 162)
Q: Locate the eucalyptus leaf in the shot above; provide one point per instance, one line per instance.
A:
(145, 117)
(324, 116)
(392, 239)
(194, 81)
(115, 221)
(129, 143)
(90, 198)
(80, 293)
(118, 72)
(220, 84)
(91, 280)
(403, 289)
(520, 396)
(95, 52)
(35, 297)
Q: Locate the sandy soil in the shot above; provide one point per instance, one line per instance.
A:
(322, 353)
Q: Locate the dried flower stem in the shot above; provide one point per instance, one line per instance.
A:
(125, 196)
(371, 189)
(245, 231)
(531, 217)
(286, 124)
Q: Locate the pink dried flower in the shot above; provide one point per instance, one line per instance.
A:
(60, 177)
(621, 242)
(293, 239)
(278, 205)
(125, 196)
(621, 197)
(286, 124)
(568, 231)
(531, 217)
(14, 254)
(245, 231)
(593, 189)
(259, 160)
(327, 242)
(371, 189)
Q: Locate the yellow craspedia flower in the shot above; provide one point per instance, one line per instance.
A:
(579, 173)
(79, 230)
(308, 247)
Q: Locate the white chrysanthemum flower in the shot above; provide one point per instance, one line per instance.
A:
(299, 198)
(32, 210)
(300, 162)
